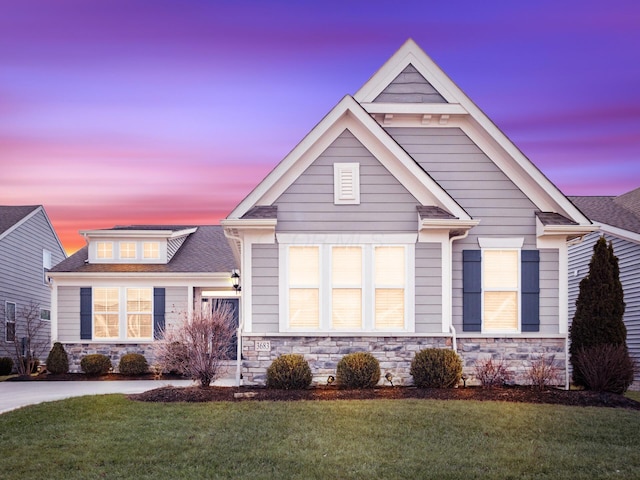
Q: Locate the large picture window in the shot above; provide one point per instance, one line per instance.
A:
(348, 288)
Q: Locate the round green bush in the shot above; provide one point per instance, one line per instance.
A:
(57, 361)
(6, 365)
(289, 372)
(436, 368)
(133, 364)
(358, 370)
(95, 364)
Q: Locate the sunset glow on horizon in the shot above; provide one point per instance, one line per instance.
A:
(140, 112)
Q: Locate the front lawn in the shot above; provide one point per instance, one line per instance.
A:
(112, 437)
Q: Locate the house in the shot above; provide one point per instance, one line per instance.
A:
(619, 222)
(29, 247)
(119, 292)
(405, 219)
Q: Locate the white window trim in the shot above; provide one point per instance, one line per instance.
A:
(6, 320)
(98, 244)
(144, 253)
(135, 250)
(518, 290)
(122, 316)
(368, 288)
(341, 173)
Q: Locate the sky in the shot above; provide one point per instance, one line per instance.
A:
(119, 112)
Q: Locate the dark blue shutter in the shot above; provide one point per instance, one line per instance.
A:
(85, 313)
(158, 312)
(530, 285)
(471, 290)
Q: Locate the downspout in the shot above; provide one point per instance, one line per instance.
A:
(241, 314)
(452, 329)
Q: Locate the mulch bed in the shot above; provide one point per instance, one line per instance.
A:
(507, 394)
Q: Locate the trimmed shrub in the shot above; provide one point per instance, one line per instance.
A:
(543, 372)
(95, 364)
(6, 365)
(133, 364)
(289, 372)
(605, 368)
(436, 368)
(358, 370)
(492, 373)
(57, 361)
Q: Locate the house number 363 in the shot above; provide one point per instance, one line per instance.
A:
(263, 346)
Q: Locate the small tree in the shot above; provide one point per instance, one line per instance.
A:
(599, 308)
(58, 360)
(204, 339)
(30, 340)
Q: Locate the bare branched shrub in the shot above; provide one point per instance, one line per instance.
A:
(543, 372)
(492, 373)
(30, 340)
(606, 367)
(199, 345)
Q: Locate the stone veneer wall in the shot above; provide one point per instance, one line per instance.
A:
(75, 352)
(396, 353)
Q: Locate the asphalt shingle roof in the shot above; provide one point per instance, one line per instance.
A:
(10, 215)
(262, 212)
(621, 212)
(206, 250)
(433, 212)
(551, 218)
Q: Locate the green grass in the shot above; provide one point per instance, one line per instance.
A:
(112, 437)
(633, 395)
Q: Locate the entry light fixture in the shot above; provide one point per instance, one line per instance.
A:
(235, 280)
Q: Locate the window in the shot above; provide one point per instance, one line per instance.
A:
(125, 313)
(104, 250)
(10, 321)
(346, 284)
(45, 314)
(139, 313)
(46, 265)
(500, 286)
(127, 250)
(346, 183)
(304, 287)
(106, 313)
(151, 250)
(347, 287)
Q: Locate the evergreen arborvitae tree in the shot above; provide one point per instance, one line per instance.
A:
(57, 361)
(600, 306)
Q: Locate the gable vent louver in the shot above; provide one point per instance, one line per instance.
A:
(346, 183)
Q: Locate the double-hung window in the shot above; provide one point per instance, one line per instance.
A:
(500, 278)
(346, 287)
(10, 321)
(122, 313)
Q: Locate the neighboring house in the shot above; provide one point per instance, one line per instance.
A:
(29, 247)
(118, 293)
(405, 219)
(619, 221)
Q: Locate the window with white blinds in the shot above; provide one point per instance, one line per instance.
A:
(304, 287)
(500, 276)
(345, 287)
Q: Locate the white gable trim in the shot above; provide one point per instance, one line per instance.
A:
(620, 232)
(524, 173)
(349, 115)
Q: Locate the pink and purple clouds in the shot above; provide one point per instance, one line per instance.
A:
(139, 111)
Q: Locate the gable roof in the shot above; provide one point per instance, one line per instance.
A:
(525, 175)
(622, 212)
(349, 115)
(11, 216)
(206, 250)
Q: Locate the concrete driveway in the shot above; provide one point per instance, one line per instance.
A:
(19, 394)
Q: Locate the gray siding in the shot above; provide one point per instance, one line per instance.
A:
(410, 87)
(628, 254)
(22, 274)
(265, 294)
(173, 245)
(428, 309)
(308, 204)
(69, 310)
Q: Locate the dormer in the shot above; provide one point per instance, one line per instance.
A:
(149, 244)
